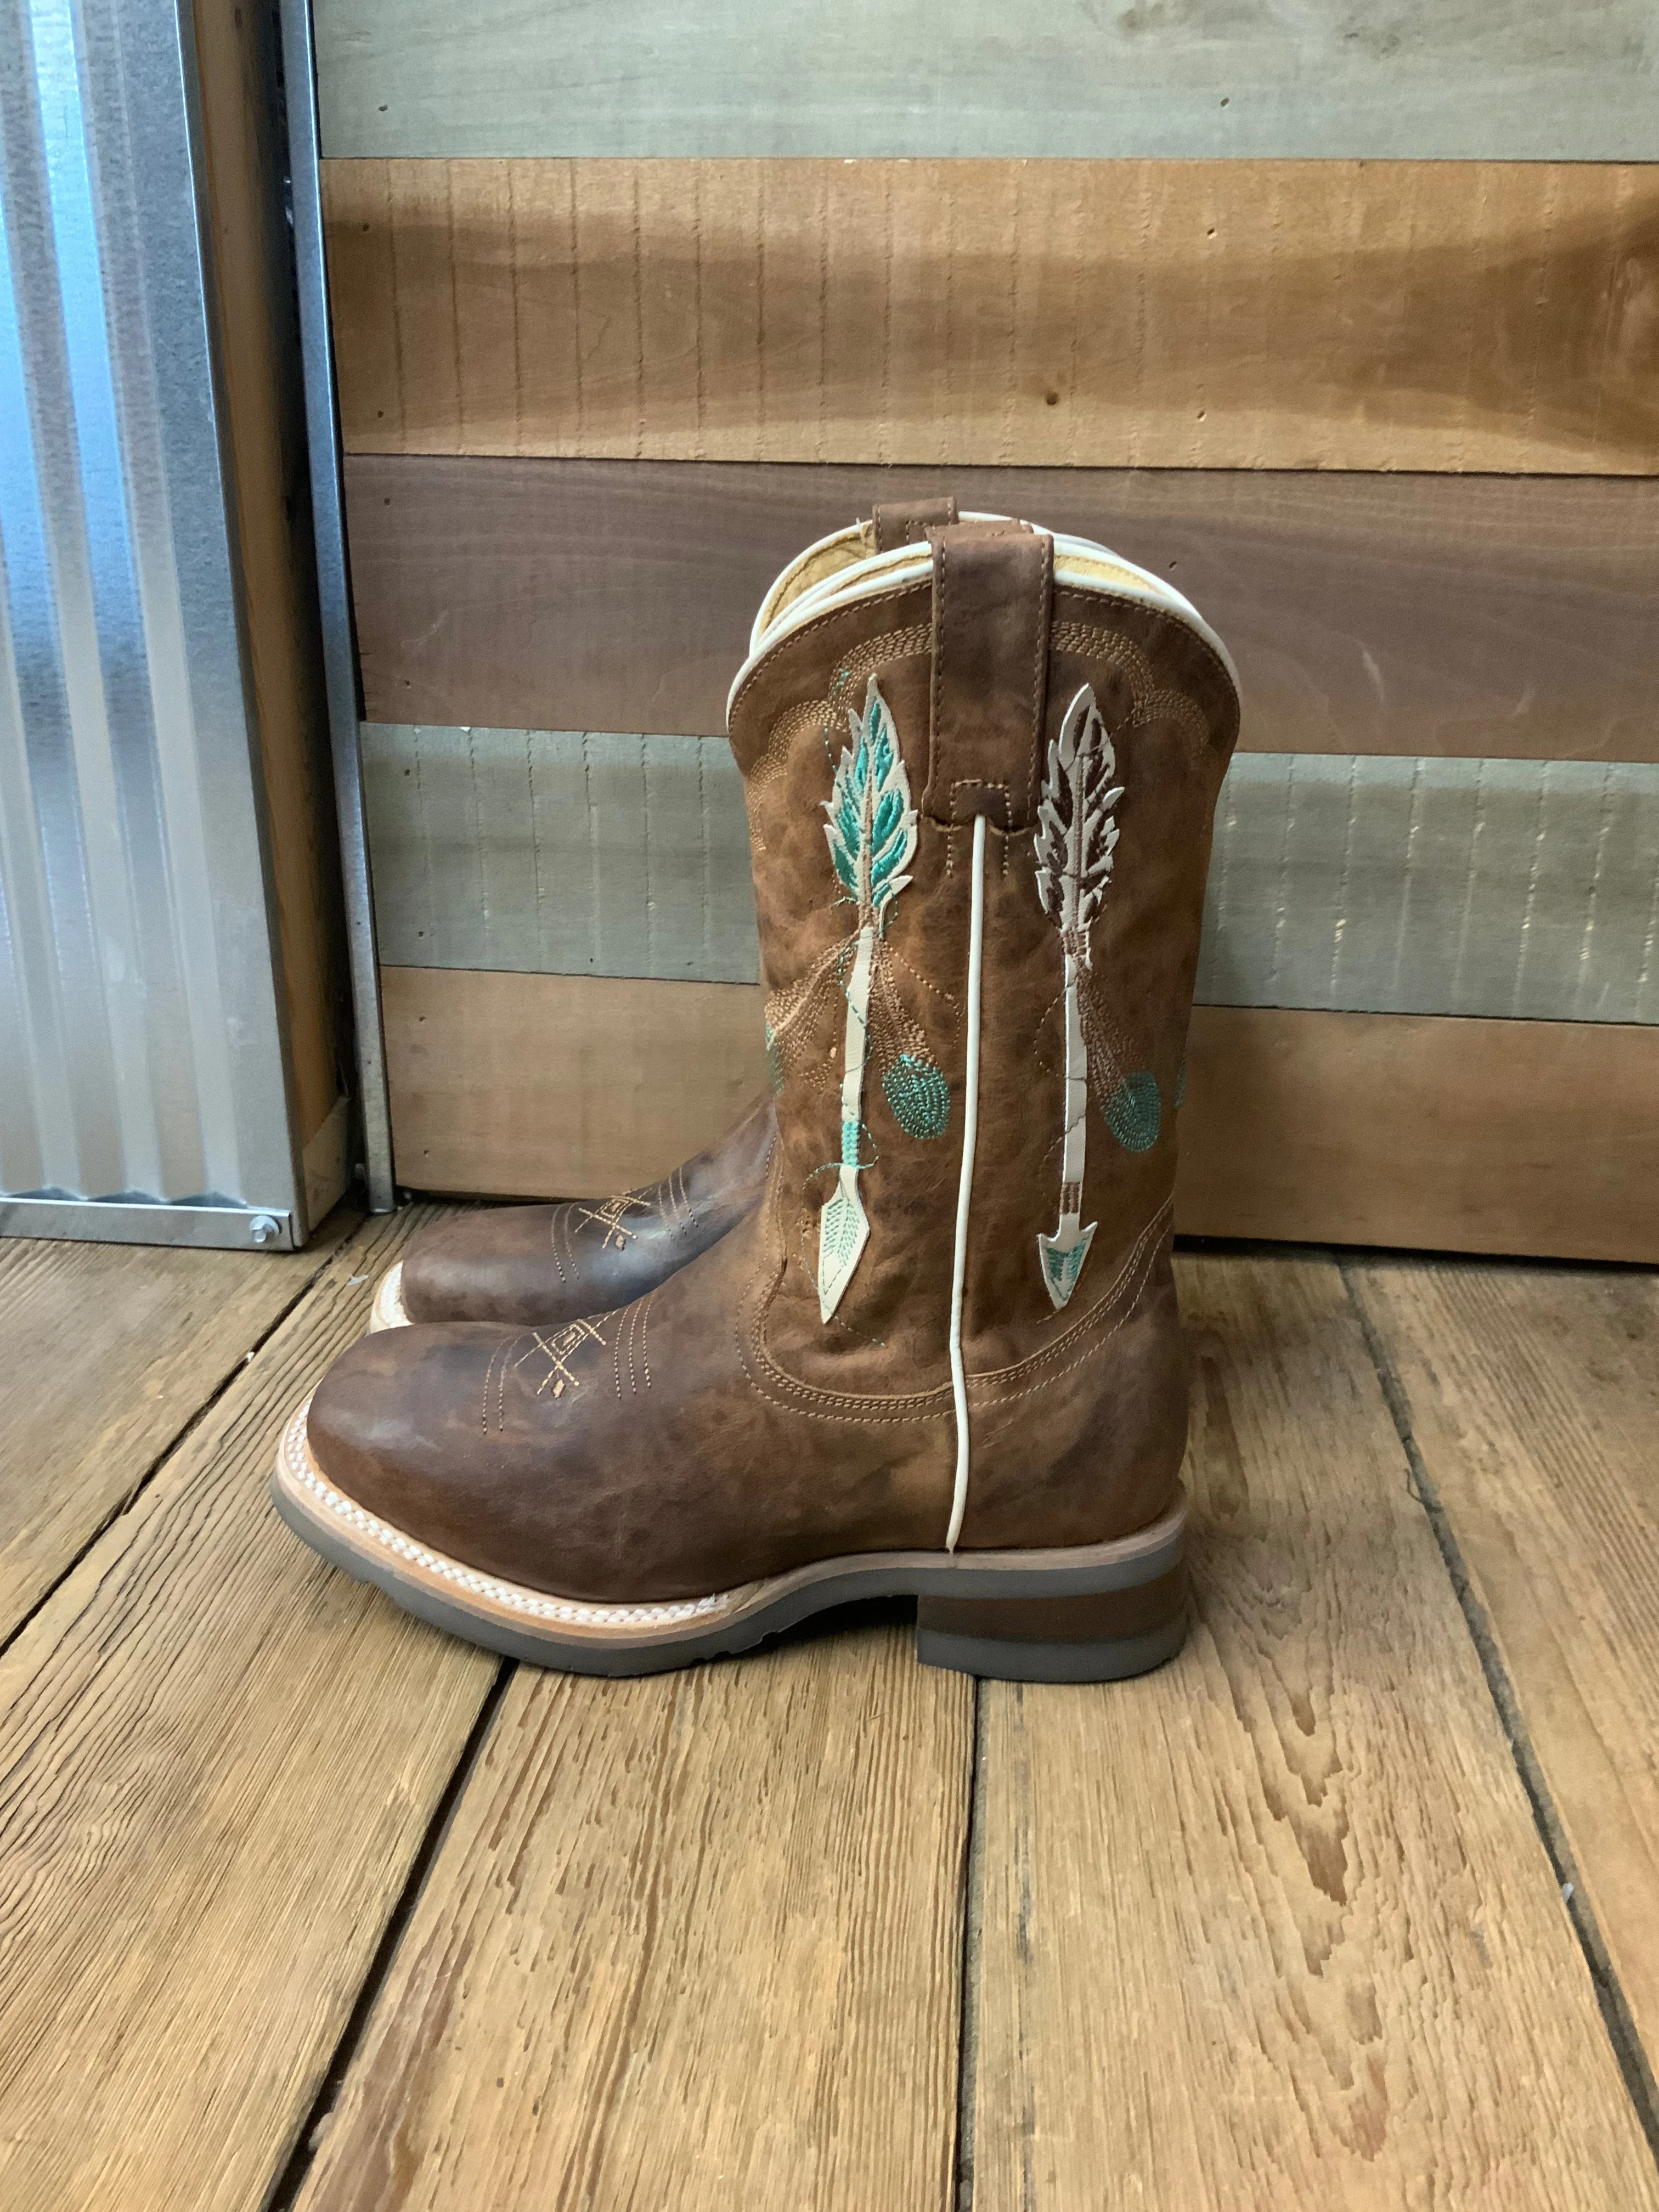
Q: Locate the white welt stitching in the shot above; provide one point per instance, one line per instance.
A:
(298, 1463)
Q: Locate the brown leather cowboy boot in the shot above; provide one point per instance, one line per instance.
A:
(943, 1355)
(548, 1265)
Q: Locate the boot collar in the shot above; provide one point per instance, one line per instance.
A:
(838, 570)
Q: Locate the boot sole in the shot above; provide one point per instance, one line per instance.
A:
(387, 1311)
(1094, 1613)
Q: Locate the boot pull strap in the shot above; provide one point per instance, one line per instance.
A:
(908, 521)
(993, 590)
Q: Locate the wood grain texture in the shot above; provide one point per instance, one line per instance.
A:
(217, 1759)
(1533, 1399)
(258, 353)
(1484, 1136)
(1434, 79)
(108, 1353)
(568, 1086)
(1369, 614)
(729, 1971)
(1448, 1135)
(1526, 889)
(1274, 1925)
(1157, 314)
(577, 851)
(1521, 889)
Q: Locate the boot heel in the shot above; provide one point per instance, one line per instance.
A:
(1102, 1638)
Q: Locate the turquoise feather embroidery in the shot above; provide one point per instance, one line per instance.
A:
(1135, 1113)
(872, 831)
(870, 826)
(918, 1094)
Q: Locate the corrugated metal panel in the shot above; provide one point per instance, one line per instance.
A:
(140, 1055)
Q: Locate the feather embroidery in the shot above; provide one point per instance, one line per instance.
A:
(1077, 832)
(872, 830)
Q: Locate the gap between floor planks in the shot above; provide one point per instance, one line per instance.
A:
(1358, 1985)
(1530, 1399)
(109, 1353)
(218, 1759)
(1275, 1922)
(653, 1812)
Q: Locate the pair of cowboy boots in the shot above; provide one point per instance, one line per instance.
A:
(914, 1329)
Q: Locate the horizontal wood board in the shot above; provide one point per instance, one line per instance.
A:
(580, 852)
(1533, 1395)
(1503, 79)
(1274, 1927)
(1523, 889)
(691, 1942)
(1414, 614)
(1435, 1134)
(1387, 1129)
(218, 1759)
(1167, 314)
(563, 1087)
(1508, 888)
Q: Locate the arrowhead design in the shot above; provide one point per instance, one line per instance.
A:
(843, 1232)
(1062, 1256)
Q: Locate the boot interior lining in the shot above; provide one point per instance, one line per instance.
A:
(813, 567)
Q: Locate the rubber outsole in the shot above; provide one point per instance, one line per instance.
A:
(1003, 1659)
(1060, 1606)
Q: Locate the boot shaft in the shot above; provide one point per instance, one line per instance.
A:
(981, 774)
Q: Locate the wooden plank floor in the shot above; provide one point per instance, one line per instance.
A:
(107, 1353)
(1532, 1395)
(302, 1905)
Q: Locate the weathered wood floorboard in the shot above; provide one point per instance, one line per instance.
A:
(107, 1353)
(693, 1940)
(1533, 1398)
(1154, 314)
(1274, 1926)
(1484, 617)
(217, 1760)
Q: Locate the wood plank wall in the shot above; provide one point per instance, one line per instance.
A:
(1356, 339)
(1505, 80)
(1160, 314)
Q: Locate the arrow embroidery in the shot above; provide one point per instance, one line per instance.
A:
(1076, 832)
(872, 831)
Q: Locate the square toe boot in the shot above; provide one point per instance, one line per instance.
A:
(544, 1266)
(943, 1356)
